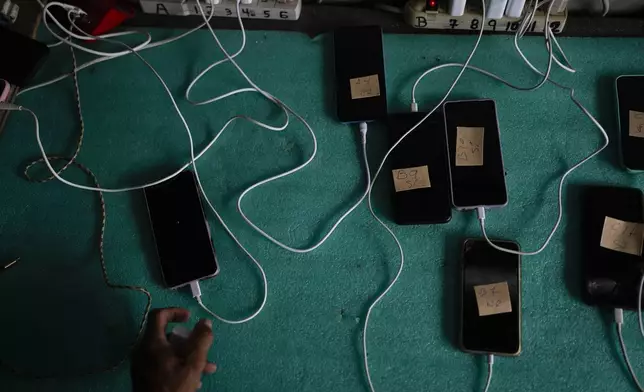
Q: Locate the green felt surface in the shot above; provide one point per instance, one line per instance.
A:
(58, 316)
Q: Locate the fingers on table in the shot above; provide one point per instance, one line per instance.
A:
(159, 319)
(198, 345)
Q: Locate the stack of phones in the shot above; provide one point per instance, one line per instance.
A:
(454, 159)
(451, 159)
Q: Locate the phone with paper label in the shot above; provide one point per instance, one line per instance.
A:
(490, 298)
(474, 150)
(419, 170)
(612, 234)
(630, 108)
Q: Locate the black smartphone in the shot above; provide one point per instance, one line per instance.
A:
(491, 298)
(611, 229)
(474, 150)
(361, 93)
(630, 110)
(421, 191)
(181, 232)
(22, 57)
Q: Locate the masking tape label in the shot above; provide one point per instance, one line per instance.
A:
(365, 87)
(493, 298)
(469, 146)
(622, 236)
(635, 123)
(411, 178)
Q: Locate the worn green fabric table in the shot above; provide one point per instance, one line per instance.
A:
(58, 316)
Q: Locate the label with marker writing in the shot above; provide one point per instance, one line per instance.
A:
(469, 146)
(365, 87)
(635, 123)
(411, 178)
(493, 299)
(622, 236)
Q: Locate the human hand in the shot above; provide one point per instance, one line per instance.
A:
(158, 366)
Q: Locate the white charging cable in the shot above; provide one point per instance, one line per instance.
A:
(5, 106)
(231, 58)
(107, 58)
(490, 368)
(75, 11)
(481, 210)
(369, 199)
(640, 292)
(619, 321)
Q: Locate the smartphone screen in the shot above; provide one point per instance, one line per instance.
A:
(630, 103)
(474, 151)
(491, 298)
(361, 93)
(421, 192)
(23, 58)
(611, 240)
(181, 231)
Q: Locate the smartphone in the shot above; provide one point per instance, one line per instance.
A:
(421, 190)
(181, 232)
(491, 298)
(22, 57)
(474, 151)
(361, 93)
(611, 243)
(630, 114)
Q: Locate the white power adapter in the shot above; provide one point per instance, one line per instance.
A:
(457, 7)
(496, 8)
(514, 9)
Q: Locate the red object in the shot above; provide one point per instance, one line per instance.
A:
(112, 18)
(432, 3)
(102, 15)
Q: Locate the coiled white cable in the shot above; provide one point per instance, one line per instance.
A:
(73, 10)
(103, 59)
(192, 162)
(230, 58)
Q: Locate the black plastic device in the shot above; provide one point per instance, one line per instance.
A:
(361, 93)
(424, 148)
(20, 57)
(487, 274)
(181, 231)
(610, 275)
(630, 107)
(474, 150)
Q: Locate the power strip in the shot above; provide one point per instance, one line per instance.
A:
(416, 16)
(256, 9)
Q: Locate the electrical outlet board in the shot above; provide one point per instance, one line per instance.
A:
(256, 9)
(416, 16)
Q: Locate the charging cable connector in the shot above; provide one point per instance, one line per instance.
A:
(195, 289)
(490, 367)
(619, 321)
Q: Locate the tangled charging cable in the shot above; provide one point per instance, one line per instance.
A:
(550, 40)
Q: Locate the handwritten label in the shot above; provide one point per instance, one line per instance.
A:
(493, 298)
(411, 178)
(622, 236)
(635, 123)
(365, 87)
(469, 146)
